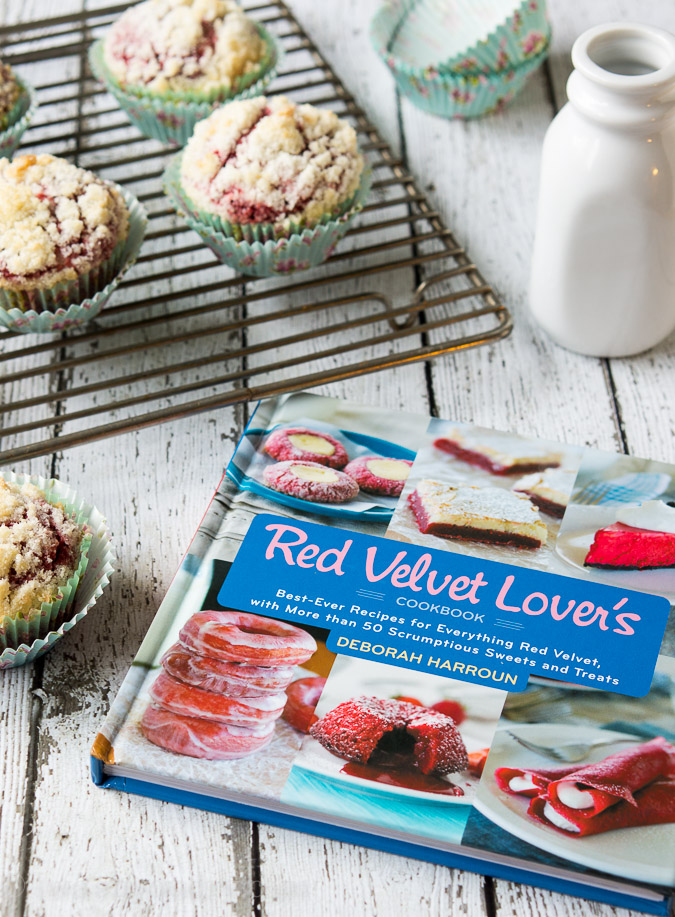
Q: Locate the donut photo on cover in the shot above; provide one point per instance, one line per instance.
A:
(493, 495)
(228, 700)
(581, 776)
(309, 456)
(395, 748)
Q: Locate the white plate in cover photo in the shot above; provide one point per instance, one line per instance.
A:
(315, 759)
(576, 536)
(644, 854)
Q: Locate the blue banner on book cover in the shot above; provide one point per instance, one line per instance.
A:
(474, 620)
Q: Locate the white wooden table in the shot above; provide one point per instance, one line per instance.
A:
(69, 848)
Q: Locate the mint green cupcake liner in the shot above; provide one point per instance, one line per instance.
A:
(470, 95)
(24, 639)
(263, 249)
(429, 38)
(75, 302)
(18, 120)
(171, 118)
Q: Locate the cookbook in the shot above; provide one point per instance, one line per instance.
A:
(426, 637)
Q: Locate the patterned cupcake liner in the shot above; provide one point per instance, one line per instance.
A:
(263, 249)
(24, 639)
(470, 95)
(424, 39)
(18, 120)
(71, 303)
(171, 118)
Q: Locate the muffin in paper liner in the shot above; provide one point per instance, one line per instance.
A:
(170, 117)
(71, 303)
(23, 640)
(421, 42)
(18, 120)
(263, 249)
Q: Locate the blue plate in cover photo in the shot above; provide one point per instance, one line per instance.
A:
(379, 509)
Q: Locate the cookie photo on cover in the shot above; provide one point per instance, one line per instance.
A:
(307, 456)
(619, 528)
(395, 748)
(584, 778)
(492, 495)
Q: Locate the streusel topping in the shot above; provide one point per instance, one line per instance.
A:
(183, 45)
(39, 549)
(9, 90)
(57, 221)
(271, 161)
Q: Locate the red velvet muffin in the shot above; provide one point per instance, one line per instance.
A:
(177, 47)
(39, 549)
(10, 90)
(271, 161)
(57, 223)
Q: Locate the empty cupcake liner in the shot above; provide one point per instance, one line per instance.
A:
(170, 117)
(263, 249)
(427, 38)
(18, 120)
(471, 95)
(24, 639)
(71, 303)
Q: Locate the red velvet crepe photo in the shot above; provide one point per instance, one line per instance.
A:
(538, 777)
(630, 788)
(653, 805)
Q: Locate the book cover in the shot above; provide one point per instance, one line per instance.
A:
(427, 637)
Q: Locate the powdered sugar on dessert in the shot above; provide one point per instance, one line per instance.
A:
(183, 46)
(271, 161)
(57, 221)
(39, 549)
(476, 502)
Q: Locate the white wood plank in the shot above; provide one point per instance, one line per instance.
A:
(17, 709)
(115, 853)
(342, 879)
(522, 901)
(20, 704)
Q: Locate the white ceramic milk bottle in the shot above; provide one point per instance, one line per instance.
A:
(603, 267)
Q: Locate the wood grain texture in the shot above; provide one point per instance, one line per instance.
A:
(67, 847)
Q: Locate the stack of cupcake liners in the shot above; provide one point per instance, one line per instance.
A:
(25, 639)
(463, 59)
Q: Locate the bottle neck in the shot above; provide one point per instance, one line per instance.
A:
(624, 75)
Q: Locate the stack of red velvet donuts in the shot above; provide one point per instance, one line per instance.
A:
(222, 685)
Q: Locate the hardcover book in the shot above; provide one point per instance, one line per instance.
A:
(426, 637)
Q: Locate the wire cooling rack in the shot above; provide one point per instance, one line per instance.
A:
(183, 332)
